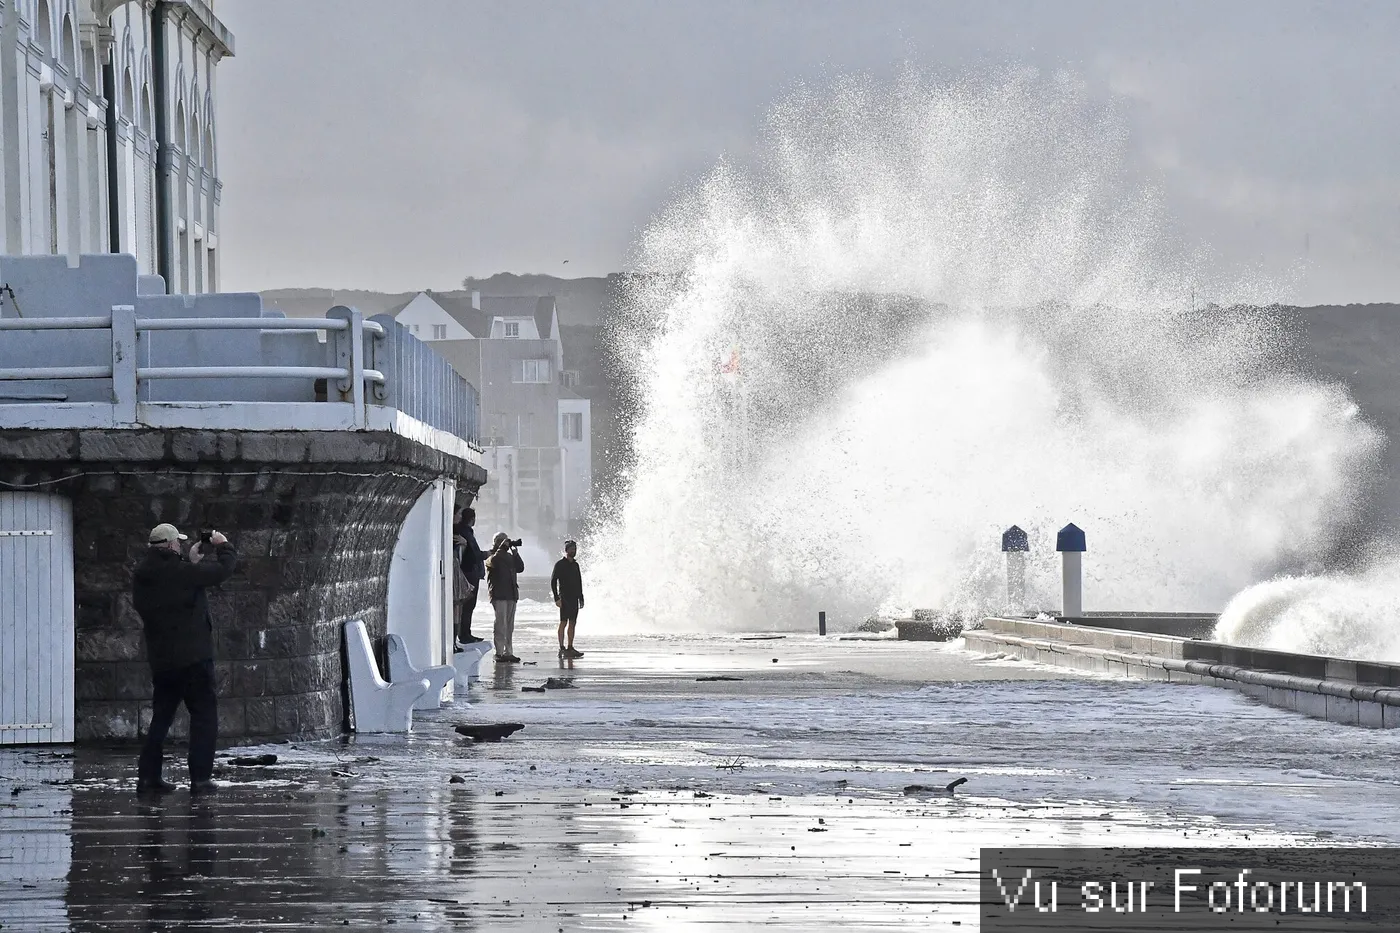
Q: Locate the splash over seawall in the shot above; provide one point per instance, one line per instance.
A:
(928, 313)
(1346, 615)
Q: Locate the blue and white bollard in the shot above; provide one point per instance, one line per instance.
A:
(1015, 543)
(1070, 543)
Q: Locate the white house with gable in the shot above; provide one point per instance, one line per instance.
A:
(537, 431)
(427, 320)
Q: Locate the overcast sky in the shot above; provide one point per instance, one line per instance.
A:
(407, 144)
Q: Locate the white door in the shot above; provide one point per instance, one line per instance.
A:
(447, 628)
(420, 584)
(36, 619)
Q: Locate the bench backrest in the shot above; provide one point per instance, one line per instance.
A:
(363, 667)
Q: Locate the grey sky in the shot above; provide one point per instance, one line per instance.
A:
(406, 144)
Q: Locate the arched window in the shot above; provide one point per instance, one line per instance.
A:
(196, 137)
(128, 98)
(43, 27)
(180, 127)
(209, 148)
(69, 51)
(145, 108)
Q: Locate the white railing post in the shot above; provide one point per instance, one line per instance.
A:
(357, 366)
(381, 355)
(124, 364)
(350, 356)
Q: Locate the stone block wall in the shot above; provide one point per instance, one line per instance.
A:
(314, 517)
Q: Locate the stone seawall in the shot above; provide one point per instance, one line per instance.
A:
(1334, 689)
(314, 516)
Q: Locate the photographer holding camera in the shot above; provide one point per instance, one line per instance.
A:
(168, 594)
(503, 568)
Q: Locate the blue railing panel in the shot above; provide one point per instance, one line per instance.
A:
(421, 384)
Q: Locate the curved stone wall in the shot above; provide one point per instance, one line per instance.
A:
(314, 516)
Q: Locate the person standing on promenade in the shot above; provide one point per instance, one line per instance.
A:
(472, 560)
(168, 592)
(503, 568)
(567, 585)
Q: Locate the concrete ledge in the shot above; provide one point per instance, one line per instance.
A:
(1066, 646)
(1174, 624)
(927, 629)
(1308, 666)
(1089, 636)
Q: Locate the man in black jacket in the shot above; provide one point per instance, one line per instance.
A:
(473, 562)
(567, 585)
(168, 593)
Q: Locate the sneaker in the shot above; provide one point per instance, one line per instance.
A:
(573, 653)
(470, 640)
(206, 786)
(563, 652)
(154, 787)
(512, 659)
(503, 659)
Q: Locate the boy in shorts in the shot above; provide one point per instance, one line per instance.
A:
(567, 585)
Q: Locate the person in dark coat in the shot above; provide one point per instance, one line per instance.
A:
(472, 560)
(566, 583)
(168, 594)
(503, 568)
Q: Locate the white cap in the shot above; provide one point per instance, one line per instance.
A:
(164, 533)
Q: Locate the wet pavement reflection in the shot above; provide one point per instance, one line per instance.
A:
(453, 858)
(645, 798)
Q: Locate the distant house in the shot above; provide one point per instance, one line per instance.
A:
(537, 431)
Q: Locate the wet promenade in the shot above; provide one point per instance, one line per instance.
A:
(643, 798)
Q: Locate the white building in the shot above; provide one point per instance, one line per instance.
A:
(536, 430)
(107, 133)
(575, 440)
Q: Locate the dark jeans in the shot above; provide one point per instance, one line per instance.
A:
(194, 686)
(464, 622)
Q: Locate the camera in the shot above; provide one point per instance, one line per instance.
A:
(206, 536)
(515, 543)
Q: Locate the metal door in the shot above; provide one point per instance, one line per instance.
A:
(36, 618)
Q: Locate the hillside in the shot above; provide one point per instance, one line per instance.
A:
(315, 302)
(581, 302)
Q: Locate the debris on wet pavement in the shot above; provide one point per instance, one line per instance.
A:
(774, 799)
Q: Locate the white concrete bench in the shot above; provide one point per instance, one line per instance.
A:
(376, 705)
(401, 668)
(468, 661)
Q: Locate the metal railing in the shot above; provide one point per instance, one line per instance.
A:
(400, 370)
(421, 384)
(120, 325)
